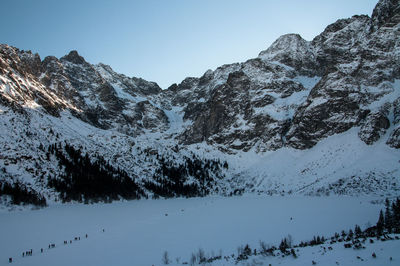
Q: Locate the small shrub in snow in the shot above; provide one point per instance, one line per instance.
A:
(351, 234)
(165, 258)
(240, 250)
(201, 256)
(357, 231)
(266, 250)
(193, 259)
(247, 250)
(293, 252)
(263, 247)
(283, 246)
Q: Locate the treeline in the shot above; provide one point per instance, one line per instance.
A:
(20, 194)
(388, 222)
(191, 178)
(85, 180)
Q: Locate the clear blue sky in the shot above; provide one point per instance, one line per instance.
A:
(165, 40)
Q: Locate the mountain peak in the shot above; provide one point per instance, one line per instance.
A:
(287, 42)
(291, 50)
(74, 57)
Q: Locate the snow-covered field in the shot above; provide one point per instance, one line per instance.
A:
(138, 232)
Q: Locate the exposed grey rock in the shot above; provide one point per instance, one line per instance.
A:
(374, 127)
(386, 13)
(292, 50)
(394, 139)
(88, 92)
(396, 111)
(74, 58)
(151, 117)
(133, 86)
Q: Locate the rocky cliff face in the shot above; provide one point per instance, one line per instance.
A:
(298, 92)
(95, 94)
(386, 14)
(294, 95)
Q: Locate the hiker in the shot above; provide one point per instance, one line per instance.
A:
(10, 260)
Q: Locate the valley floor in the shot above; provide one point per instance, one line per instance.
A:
(139, 232)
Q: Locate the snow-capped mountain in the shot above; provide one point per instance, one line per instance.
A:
(309, 117)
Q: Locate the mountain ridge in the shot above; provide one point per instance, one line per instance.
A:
(292, 98)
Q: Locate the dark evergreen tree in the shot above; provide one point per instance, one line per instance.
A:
(85, 180)
(247, 250)
(388, 216)
(20, 194)
(193, 177)
(283, 246)
(357, 231)
(351, 234)
(396, 215)
(293, 252)
(380, 225)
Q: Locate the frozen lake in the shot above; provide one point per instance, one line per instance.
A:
(138, 232)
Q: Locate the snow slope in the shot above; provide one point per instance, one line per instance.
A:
(363, 169)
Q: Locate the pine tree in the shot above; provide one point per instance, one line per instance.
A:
(388, 216)
(247, 250)
(396, 215)
(357, 231)
(380, 224)
(351, 234)
(283, 245)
